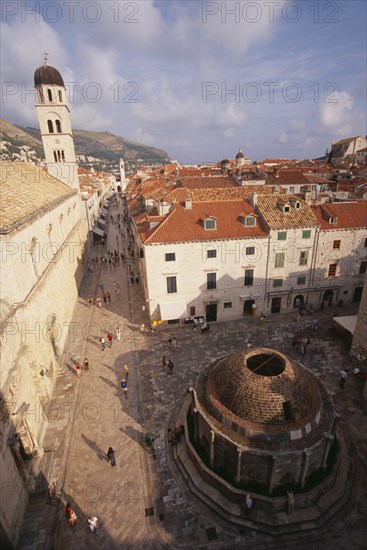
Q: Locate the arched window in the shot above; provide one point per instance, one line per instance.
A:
(58, 156)
(55, 156)
(40, 96)
(49, 94)
(50, 126)
(63, 156)
(60, 96)
(58, 126)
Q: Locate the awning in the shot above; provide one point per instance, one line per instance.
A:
(98, 231)
(104, 212)
(173, 310)
(347, 321)
(102, 222)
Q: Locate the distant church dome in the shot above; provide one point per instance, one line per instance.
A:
(240, 155)
(48, 75)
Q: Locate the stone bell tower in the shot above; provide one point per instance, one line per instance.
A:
(54, 121)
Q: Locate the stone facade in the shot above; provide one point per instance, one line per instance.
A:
(288, 262)
(42, 266)
(359, 343)
(42, 238)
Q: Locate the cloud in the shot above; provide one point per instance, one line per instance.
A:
(337, 113)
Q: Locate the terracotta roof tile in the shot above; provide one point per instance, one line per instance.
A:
(348, 214)
(183, 224)
(277, 219)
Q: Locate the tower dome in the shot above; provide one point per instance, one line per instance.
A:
(240, 155)
(47, 75)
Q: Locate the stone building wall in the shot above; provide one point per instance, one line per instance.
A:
(39, 292)
(359, 343)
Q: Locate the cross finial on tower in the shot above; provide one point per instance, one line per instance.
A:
(45, 58)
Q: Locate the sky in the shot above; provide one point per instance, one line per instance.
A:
(198, 79)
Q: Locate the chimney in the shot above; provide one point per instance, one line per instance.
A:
(188, 204)
(276, 172)
(253, 199)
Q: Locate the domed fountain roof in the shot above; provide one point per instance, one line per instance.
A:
(261, 386)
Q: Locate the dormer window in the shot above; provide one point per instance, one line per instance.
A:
(250, 221)
(333, 220)
(285, 207)
(296, 204)
(210, 223)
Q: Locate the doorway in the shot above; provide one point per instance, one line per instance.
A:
(247, 307)
(328, 297)
(357, 295)
(298, 301)
(275, 305)
(210, 312)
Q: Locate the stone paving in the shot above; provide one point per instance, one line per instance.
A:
(139, 502)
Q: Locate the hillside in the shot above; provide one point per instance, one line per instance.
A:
(105, 147)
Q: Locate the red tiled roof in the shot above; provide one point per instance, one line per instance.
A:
(276, 219)
(348, 214)
(287, 177)
(200, 182)
(183, 224)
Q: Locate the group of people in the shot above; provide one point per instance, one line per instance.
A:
(110, 338)
(92, 521)
(78, 367)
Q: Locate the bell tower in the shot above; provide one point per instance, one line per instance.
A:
(54, 121)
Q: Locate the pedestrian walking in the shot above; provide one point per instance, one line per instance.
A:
(248, 504)
(86, 364)
(93, 524)
(110, 339)
(111, 456)
(103, 343)
(105, 298)
(70, 514)
(108, 296)
(51, 490)
(142, 328)
(170, 366)
(290, 502)
(90, 300)
(262, 316)
(304, 343)
(124, 387)
(174, 343)
(315, 324)
(343, 377)
(164, 361)
(155, 448)
(78, 369)
(118, 334)
(99, 302)
(101, 285)
(126, 372)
